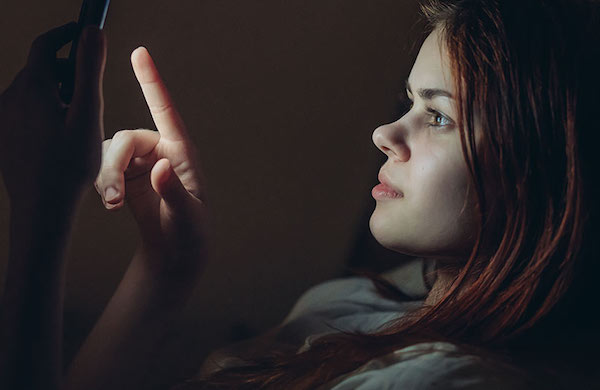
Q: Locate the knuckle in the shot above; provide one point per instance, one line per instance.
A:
(161, 108)
(105, 145)
(38, 46)
(143, 131)
(122, 136)
(38, 42)
(109, 171)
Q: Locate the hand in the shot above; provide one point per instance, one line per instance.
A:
(157, 175)
(49, 150)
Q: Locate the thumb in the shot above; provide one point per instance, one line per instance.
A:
(168, 186)
(87, 104)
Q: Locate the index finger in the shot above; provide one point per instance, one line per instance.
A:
(166, 118)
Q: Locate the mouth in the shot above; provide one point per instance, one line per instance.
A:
(386, 184)
(385, 191)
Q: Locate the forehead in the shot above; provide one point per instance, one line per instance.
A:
(432, 67)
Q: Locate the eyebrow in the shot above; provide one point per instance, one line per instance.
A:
(430, 93)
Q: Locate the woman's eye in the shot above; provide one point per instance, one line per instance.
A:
(437, 119)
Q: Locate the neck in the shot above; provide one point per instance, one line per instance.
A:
(442, 280)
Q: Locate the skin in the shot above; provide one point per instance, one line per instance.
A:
(435, 218)
(49, 155)
(156, 173)
(60, 150)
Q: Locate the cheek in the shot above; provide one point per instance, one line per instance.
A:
(442, 201)
(441, 185)
(440, 190)
(433, 218)
(439, 173)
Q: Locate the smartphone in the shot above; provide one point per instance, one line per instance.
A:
(93, 12)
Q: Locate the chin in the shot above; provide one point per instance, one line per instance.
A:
(388, 236)
(408, 242)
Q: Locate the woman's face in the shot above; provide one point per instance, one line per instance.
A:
(435, 217)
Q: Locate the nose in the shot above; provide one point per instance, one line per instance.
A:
(391, 140)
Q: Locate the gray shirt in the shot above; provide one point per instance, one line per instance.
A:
(353, 304)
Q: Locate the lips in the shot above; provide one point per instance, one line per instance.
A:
(385, 181)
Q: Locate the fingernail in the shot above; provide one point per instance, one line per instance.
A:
(111, 195)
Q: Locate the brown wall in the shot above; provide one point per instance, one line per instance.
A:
(281, 98)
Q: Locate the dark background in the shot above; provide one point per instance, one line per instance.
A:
(281, 98)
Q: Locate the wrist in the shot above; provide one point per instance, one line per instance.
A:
(39, 230)
(44, 205)
(167, 267)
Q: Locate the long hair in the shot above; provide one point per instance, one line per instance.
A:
(524, 73)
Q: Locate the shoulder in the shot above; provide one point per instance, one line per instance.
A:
(432, 366)
(347, 294)
(349, 303)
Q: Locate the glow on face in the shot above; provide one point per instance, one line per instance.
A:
(435, 217)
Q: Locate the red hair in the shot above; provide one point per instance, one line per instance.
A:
(523, 76)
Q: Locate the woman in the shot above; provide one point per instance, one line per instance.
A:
(489, 175)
